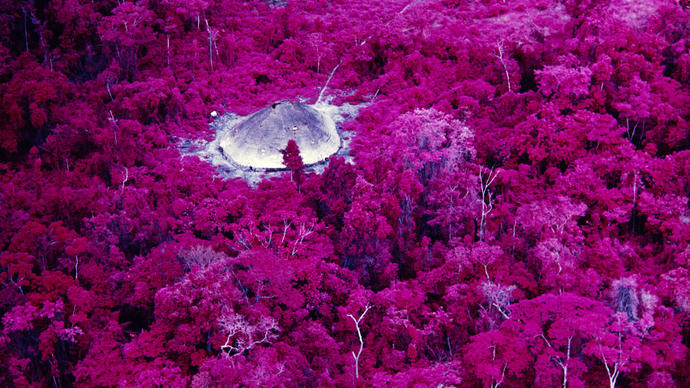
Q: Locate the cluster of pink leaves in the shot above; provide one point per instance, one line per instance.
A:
(516, 214)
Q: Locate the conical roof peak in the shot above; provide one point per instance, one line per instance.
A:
(257, 140)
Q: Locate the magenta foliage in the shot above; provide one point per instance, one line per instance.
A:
(514, 212)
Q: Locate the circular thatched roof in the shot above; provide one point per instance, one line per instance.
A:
(257, 140)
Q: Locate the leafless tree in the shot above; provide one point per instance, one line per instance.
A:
(243, 336)
(212, 38)
(485, 180)
(563, 364)
(501, 49)
(361, 341)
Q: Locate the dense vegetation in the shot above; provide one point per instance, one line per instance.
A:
(517, 211)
